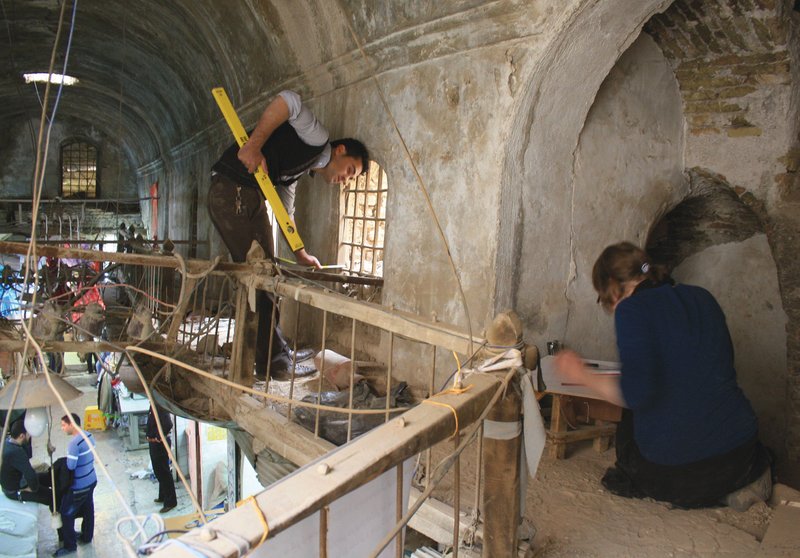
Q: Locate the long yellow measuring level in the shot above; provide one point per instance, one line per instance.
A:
(262, 178)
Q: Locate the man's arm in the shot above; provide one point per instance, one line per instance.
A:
(276, 113)
(72, 455)
(23, 465)
(287, 195)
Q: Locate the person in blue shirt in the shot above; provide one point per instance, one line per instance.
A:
(688, 434)
(79, 499)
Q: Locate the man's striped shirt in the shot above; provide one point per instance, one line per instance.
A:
(81, 460)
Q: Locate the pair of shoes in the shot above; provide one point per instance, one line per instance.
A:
(63, 552)
(158, 501)
(300, 355)
(165, 509)
(300, 370)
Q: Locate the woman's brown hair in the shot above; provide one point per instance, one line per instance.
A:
(619, 264)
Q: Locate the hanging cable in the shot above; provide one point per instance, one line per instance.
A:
(421, 182)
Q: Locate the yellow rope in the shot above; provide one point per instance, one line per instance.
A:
(446, 406)
(261, 516)
(453, 391)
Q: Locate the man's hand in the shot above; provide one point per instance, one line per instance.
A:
(251, 157)
(304, 258)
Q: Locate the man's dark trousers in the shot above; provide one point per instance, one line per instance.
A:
(166, 485)
(240, 216)
(77, 503)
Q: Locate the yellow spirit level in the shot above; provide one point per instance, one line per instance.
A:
(263, 180)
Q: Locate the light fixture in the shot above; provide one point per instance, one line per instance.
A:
(35, 391)
(44, 77)
(36, 421)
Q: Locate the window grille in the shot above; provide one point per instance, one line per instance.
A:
(362, 207)
(78, 170)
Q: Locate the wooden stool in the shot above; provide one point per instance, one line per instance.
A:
(602, 414)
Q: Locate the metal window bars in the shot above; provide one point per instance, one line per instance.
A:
(362, 229)
(79, 169)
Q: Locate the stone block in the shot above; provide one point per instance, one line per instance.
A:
(744, 132)
(788, 187)
(792, 159)
(712, 107)
(704, 131)
(733, 92)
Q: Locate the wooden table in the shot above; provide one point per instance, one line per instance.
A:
(600, 416)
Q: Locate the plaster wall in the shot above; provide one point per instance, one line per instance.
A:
(535, 255)
(756, 320)
(450, 82)
(116, 177)
(628, 171)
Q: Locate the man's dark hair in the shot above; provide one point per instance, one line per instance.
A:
(354, 148)
(17, 428)
(75, 417)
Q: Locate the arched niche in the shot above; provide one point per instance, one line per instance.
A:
(712, 239)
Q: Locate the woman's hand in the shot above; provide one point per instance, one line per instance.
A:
(570, 367)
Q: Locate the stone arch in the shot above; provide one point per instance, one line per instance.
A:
(539, 164)
(713, 239)
(537, 196)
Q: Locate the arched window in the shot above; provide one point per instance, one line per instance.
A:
(78, 170)
(362, 210)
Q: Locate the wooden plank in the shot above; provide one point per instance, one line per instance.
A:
(154, 260)
(351, 466)
(410, 326)
(288, 439)
(501, 478)
(17, 345)
(583, 433)
(558, 426)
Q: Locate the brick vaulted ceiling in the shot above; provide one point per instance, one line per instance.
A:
(722, 51)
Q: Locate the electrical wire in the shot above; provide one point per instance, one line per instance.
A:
(420, 181)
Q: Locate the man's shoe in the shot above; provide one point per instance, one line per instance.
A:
(300, 371)
(165, 509)
(80, 539)
(158, 501)
(63, 552)
(300, 355)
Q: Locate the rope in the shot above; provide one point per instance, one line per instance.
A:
(451, 391)
(261, 517)
(251, 391)
(421, 182)
(444, 466)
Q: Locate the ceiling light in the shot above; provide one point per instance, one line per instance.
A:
(52, 78)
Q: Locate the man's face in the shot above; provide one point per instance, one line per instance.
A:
(341, 167)
(66, 427)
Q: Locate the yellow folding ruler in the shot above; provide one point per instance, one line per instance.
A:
(262, 178)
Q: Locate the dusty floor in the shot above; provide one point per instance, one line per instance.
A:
(138, 494)
(574, 516)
